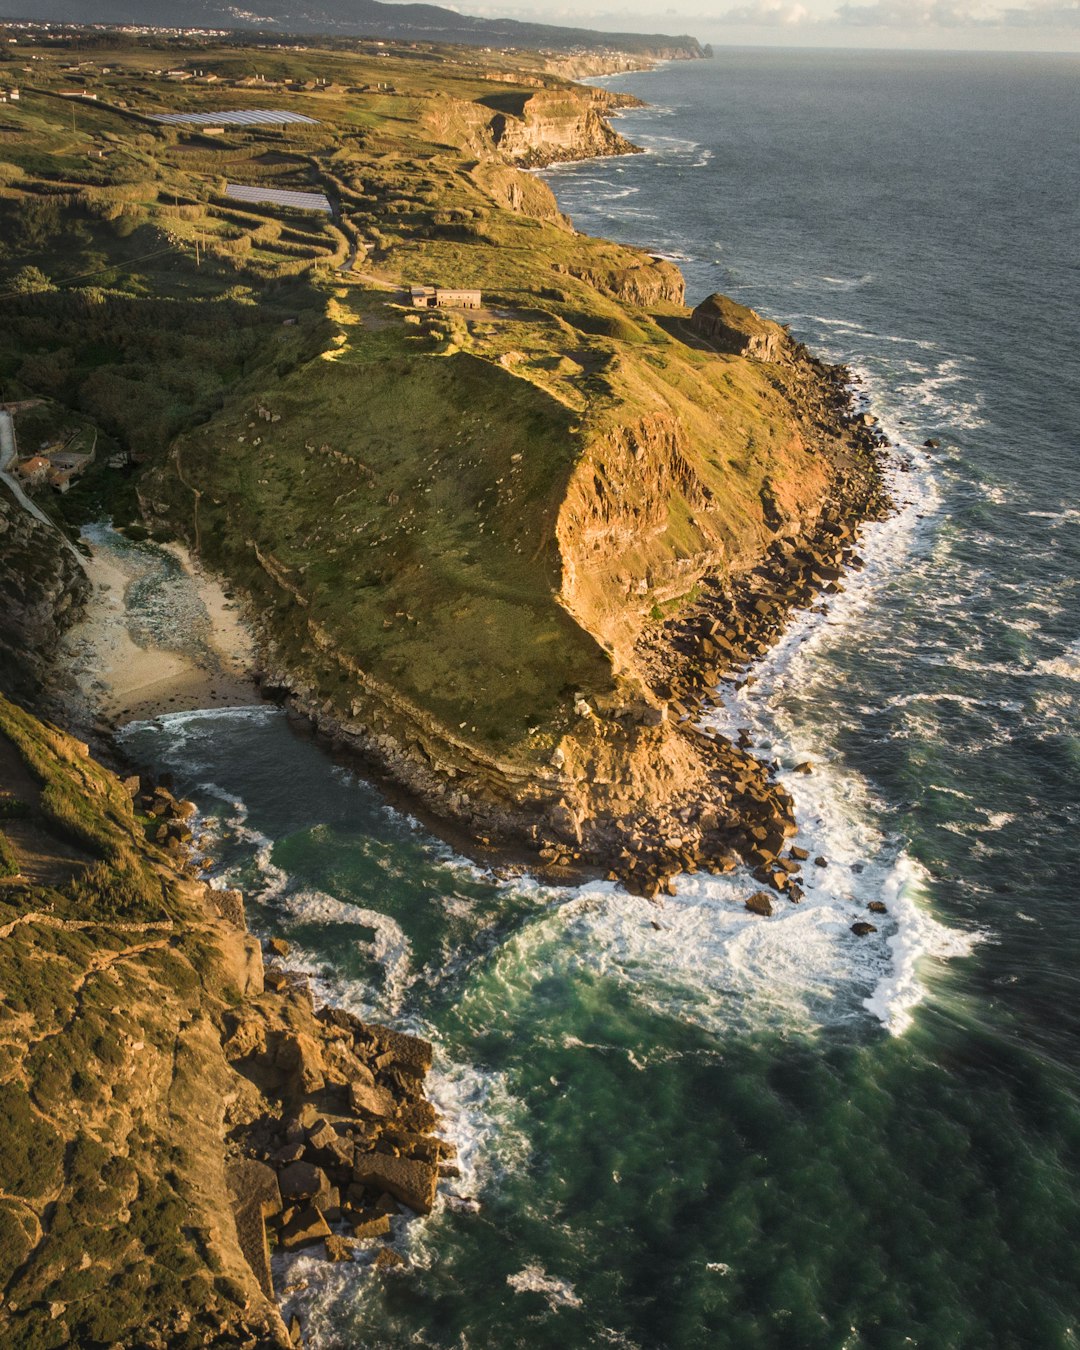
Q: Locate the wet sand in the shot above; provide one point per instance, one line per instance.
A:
(155, 638)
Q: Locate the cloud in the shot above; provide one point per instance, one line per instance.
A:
(953, 14)
(770, 12)
(816, 21)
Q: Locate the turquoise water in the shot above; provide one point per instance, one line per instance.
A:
(729, 1132)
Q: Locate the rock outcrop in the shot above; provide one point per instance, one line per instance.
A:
(554, 125)
(42, 588)
(650, 281)
(731, 327)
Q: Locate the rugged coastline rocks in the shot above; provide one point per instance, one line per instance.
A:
(335, 1135)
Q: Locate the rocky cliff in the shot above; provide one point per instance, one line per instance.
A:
(171, 1107)
(469, 539)
(42, 588)
(553, 125)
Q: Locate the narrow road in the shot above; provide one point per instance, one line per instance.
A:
(7, 460)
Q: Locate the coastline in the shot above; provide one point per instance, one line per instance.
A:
(111, 670)
(730, 809)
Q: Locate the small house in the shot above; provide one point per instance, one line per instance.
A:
(439, 297)
(34, 470)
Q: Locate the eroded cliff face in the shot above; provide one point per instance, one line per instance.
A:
(166, 1098)
(647, 282)
(42, 588)
(520, 192)
(618, 507)
(555, 125)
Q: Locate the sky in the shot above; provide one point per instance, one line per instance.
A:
(973, 25)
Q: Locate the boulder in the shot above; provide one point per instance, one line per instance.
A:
(387, 1259)
(255, 1196)
(760, 903)
(877, 907)
(300, 1056)
(339, 1248)
(303, 1181)
(407, 1179)
(862, 928)
(330, 1148)
(370, 1223)
(410, 1053)
(306, 1227)
(369, 1100)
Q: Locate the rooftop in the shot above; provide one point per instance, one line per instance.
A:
(241, 117)
(303, 201)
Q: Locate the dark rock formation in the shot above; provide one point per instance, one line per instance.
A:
(42, 589)
(734, 328)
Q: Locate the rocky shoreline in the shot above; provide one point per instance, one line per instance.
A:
(731, 809)
(329, 1136)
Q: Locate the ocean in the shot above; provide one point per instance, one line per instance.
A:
(726, 1132)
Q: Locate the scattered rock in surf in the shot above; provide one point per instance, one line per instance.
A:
(760, 903)
(370, 1223)
(932, 444)
(388, 1259)
(805, 767)
(304, 1228)
(862, 928)
(279, 946)
(877, 907)
(654, 924)
(409, 1180)
(819, 861)
(799, 854)
(339, 1248)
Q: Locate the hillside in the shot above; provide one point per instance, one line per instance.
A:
(476, 542)
(360, 18)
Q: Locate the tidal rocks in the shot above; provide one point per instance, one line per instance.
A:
(862, 928)
(408, 1180)
(339, 1248)
(370, 1223)
(304, 1228)
(760, 903)
(877, 907)
(346, 1152)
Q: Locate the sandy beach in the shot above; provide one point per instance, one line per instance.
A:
(159, 635)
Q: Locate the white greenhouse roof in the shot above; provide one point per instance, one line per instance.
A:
(303, 201)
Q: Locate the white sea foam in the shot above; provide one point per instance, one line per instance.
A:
(1066, 666)
(390, 949)
(534, 1279)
